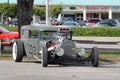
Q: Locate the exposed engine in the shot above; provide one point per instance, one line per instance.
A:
(62, 48)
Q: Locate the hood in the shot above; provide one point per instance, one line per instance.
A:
(10, 35)
(13, 34)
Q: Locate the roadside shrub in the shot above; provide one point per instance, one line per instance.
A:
(96, 32)
(106, 32)
(11, 28)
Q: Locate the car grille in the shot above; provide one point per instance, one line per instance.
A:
(69, 49)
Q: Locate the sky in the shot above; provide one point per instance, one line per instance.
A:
(74, 2)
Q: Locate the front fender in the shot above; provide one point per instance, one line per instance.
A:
(12, 41)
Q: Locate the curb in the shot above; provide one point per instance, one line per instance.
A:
(97, 40)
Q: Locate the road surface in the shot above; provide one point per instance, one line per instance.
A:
(30, 70)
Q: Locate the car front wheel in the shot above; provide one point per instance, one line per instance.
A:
(18, 51)
(95, 57)
(45, 57)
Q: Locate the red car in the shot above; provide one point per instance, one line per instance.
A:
(93, 21)
(7, 37)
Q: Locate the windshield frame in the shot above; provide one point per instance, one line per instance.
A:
(48, 35)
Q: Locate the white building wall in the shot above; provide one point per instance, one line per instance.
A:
(93, 9)
(110, 13)
(84, 14)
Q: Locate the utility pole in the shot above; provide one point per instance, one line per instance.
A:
(8, 2)
(1, 16)
(8, 11)
(47, 12)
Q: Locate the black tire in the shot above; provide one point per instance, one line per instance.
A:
(95, 57)
(45, 57)
(18, 51)
(2, 47)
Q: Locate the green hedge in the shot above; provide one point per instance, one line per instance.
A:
(109, 32)
(106, 32)
(11, 28)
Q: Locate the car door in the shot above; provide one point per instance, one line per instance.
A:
(33, 44)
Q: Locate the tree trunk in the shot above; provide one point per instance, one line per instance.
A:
(24, 12)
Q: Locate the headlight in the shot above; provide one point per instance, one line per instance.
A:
(59, 51)
(81, 51)
(50, 48)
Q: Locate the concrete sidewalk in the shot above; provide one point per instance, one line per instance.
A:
(109, 39)
(99, 40)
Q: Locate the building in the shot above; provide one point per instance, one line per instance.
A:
(85, 9)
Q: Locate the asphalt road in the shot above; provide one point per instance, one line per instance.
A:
(30, 70)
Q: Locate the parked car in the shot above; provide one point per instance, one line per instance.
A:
(51, 45)
(72, 24)
(82, 23)
(41, 22)
(7, 37)
(108, 23)
(93, 21)
(14, 22)
(63, 20)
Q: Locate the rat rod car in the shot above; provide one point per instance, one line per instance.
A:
(51, 45)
